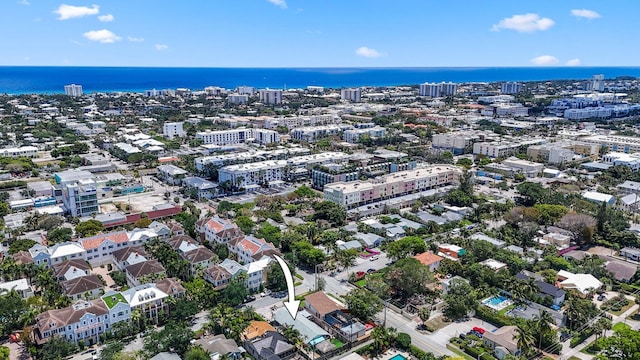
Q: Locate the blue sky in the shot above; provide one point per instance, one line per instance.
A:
(319, 33)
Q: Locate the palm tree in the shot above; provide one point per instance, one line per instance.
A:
(382, 338)
(524, 340)
(601, 326)
(293, 335)
(543, 323)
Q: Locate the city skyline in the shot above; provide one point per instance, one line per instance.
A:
(376, 33)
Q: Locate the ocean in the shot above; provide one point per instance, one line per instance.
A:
(51, 80)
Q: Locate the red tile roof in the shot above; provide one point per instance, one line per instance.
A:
(154, 214)
(95, 241)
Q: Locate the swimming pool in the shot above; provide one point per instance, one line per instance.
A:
(497, 302)
(398, 357)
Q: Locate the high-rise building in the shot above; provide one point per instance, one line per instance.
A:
(352, 95)
(510, 88)
(438, 89)
(246, 90)
(596, 83)
(73, 90)
(270, 97)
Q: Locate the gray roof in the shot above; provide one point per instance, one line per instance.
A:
(198, 183)
(270, 345)
(489, 239)
(307, 328)
(166, 356)
(219, 344)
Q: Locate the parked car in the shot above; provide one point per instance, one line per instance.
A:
(369, 271)
(374, 258)
(601, 297)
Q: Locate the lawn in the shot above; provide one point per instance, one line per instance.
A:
(436, 323)
(112, 300)
(620, 326)
(507, 309)
(361, 282)
(337, 343)
(459, 352)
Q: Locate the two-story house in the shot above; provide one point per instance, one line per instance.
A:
(71, 269)
(84, 287)
(250, 248)
(139, 273)
(217, 230)
(82, 321)
(218, 276)
(129, 256)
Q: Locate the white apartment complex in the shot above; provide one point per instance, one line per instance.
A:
(315, 133)
(24, 151)
(510, 88)
(238, 136)
(353, 94)
(616, 143)
(438, 89)
(270, 97)
(245, 90)
(238, 99)
(588, 113)
(356, 193)
(354, 135)
(73, 90)
(301, 121)
(171, 130)
(503, 149)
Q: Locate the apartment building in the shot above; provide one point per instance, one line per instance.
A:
(438, 89)
(270, 97)
(353, 94)
(357, 193)
(73, 90)
(216, 229)
(23, 151)
(238, 99)
(314, 133)
(354, 135)
(238, 136)
(457, 143)
(616, 143)
(171, 130)
(503, 149)
(510, 88)
(623, 159)
(301, 121)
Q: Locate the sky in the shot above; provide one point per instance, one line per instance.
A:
(319, 33)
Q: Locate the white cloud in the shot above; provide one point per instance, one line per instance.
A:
(545, 60)
(104, 36)
(106, 18)
(67, 12)
(281, 3)
(574, 62)
(161, 47)
(134, 39)
(524, 23)
(24, 2)
(584, 13)
(368, 52)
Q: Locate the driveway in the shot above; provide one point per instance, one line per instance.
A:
(443, 335)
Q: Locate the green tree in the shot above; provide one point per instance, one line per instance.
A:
(174, 336)
(110, 350)
(331, 212)
(525, 340)
(623, 345)
(59, 235)
(89, 228)
(245, 224)
(20, 245)
(362, 303)
(13, 308)
(404, 247)
(4, 353)
(460, 299)
(270, 233)
(197, 353)
(458, 197)
(275, 278)
(235, 292)
(531, 193)
(56, 348)
(403, 341)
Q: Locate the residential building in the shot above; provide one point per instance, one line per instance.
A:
(218, 276)
(129, 256)
(20, 286)
(510, 88)
(100, 247)
(622, 159)
(219, 346)
(583, 283)
(343, 324)
(630, 253)
(73, 90)
(248, 90)
(354, 135)
(599, 197)
(142, 272)
(149, 299)
(595, 84)
(257, 273)
(80, 198)
(318, 304)
(84, 320)
(269, 346)
(528, 168)
(556, 294)
(270, 97)
(438, 89)
(314, 133)
(310, 332)
(502, 341)
(256, 329)
(217, 229)
(23, 151)
(71, 269)
(238, 99)
(504, 149)
(457, 143)
(171, 130)
(616, 143)
(429, 259)
(353, 94)
(238, 136)
(250, 248)
(199, 259)
(356, 193)
(84, 287)
(199, 188)
(171, 174)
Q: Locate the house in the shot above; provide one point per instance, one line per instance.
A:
(199, 188)
(620, 269)
(311, 333)
(199, 259)
(142, 272)
(161, 229)
(452, 252)
(183, 243)
(270, 346)
(171, 287)
(219, 345)
(560, 240)
(446, 283)
(515, 249)
(494, 265)
(598, 197)
(175, 228)
(233, 267)
(84, 320)
(100, 247)
(548, 290)
(502, 341)
(250, 248)
(257, 273)
(65, 251)
(217, 229)
(85, 287)
(319, 304)
(583, 283)
(171, 174)
(20, 286)
(256, 329)
(493, 241)
(71, 269)
(369, 240)
(129, 256)
(166, 356)
(218, 276)
(429, 259)
(148, 298)
(630, 253)
(346, 325)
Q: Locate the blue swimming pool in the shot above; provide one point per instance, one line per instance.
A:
(497, 302)
(398, 357)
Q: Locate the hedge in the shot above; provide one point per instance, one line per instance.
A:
(493, 317)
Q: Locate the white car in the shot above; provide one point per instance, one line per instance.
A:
(374, 258)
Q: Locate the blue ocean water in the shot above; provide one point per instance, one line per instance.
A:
(25, 80)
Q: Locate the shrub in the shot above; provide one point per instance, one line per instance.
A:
(403, 341)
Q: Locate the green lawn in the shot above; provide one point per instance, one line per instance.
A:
(361, 282)
(618, 313)
(112, 300)
(459, 352)
(337, 343)
(505, 310)
(617, 327)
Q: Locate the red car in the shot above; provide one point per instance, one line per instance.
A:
(479, 329)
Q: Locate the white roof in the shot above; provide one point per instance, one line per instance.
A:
(186, 246)
(597, 196)
(493, 264)
(17, 285)
(143, 294)
(257, 266)
(66, 249)
(581, 282)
